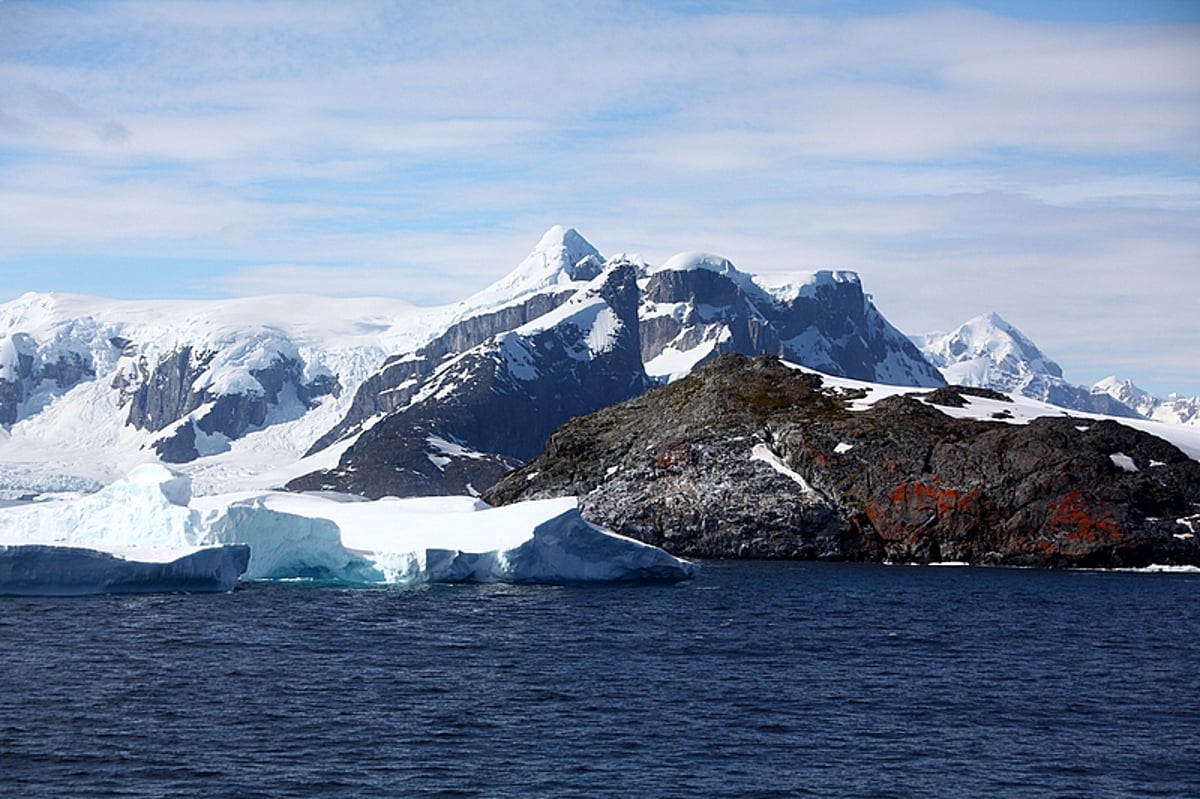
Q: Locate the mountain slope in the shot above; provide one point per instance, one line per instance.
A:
(253, 392)
(484, 411)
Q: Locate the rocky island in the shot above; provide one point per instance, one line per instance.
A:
(748, 457)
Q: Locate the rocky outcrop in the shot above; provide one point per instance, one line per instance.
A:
(749, 458)
(480, 413)
(180, 385)
(24, 371)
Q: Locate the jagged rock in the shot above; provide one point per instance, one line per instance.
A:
(901, 481)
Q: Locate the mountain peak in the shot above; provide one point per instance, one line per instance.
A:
(561, 257)
(988, 337)
(988, 352)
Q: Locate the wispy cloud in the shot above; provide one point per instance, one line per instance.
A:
(961, 160)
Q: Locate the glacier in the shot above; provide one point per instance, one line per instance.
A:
(147, 533)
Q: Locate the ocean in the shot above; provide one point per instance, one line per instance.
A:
(754, 680)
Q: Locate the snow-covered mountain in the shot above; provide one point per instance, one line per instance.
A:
(455, 414)
(481, 412)
(697, 305)
(988, 352)
(1174, 408)
(90, 387)
(255, 392)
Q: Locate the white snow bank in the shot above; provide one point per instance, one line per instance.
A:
(151, 514)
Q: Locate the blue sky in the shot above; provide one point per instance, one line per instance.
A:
(1037, 159)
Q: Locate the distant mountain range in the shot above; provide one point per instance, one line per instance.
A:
(379, 397)
(988, 352)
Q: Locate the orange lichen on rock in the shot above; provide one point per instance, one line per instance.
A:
(1077, 522)
(943, 500)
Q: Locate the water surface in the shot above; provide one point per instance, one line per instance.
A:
(755, 680)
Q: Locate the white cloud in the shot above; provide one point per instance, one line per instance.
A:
(954, 157)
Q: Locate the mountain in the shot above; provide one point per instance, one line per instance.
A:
(521, 358)
(258, 392)
(91, 387)
(697, 305)
(481, 412)
(988, 352)
(750, 457)
(1174, 409)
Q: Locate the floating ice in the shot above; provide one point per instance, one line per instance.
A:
(54, 570)
(147, 533)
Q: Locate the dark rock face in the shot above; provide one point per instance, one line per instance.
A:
(714, 307)
(480, 413)
(836, 329)
(16, 387)
(831, 325)
(395, 383)
(901, 481)
(169, 392)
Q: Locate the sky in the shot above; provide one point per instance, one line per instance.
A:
(1036, 159)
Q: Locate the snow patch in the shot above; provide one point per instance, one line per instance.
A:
(761, 452)
(445, 451)
(1123, 462)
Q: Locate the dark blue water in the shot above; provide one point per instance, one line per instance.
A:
(756, 680)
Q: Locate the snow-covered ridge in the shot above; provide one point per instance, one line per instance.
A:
(1174, 408)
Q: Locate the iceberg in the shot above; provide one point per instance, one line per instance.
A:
(147, 533)
(57, 570)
